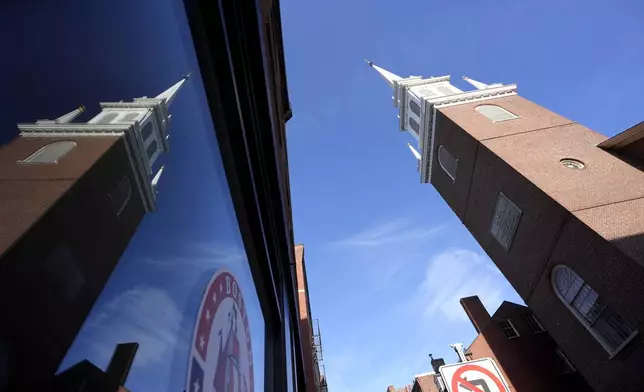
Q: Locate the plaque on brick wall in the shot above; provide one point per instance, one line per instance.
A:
(505, 221)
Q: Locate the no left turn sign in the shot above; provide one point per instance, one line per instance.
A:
(474, 376)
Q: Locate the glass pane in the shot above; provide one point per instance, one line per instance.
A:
(568, 283)
(614, 329)
(51, 153)
(183, 289)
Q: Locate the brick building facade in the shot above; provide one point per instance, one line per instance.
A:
(526, 354)
(558, 207)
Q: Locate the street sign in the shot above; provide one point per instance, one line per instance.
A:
(481, 375)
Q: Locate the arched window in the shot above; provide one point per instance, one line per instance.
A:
(414, 125)
(108, 118)
(147, 130)
(152, 148)
(608, 327)
(51, 153)
(129, 117)
(495, 113)
(414, 107)
(121, 194)
(447, 162)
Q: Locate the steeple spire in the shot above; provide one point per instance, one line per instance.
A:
(413, 151)
(169, 94)
(477, 84)
(389, 77)
(65, 118)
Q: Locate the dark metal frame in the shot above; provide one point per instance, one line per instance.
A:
(240, 54)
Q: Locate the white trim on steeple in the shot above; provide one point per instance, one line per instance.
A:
(389, 77)
(169, 94)
(65, 118)
(431, 94)
(413, 151)
(475, 83)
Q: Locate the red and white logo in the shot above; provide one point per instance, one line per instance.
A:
(221, 358)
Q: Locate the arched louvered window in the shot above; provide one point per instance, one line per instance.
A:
(445, 90)
(107, 118)
(129, 117)
(147, 130)
(495, 113)
(51, 153)
(447, 162)
(608, 327)
(121, 194)
(414, 125)
(414, 107)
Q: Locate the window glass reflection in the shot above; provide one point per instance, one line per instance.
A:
(183, 289)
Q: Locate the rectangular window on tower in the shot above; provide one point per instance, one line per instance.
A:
(414, 107)
(414, 125)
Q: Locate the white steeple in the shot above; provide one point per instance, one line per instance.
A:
(143, 124)
(65, 118)
(169, 94)
(417, 100)
(477, 84)
(389, 77)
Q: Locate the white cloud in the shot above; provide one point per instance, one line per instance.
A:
(457, 273)
(142, 314)
(388, 233)
(197, 256)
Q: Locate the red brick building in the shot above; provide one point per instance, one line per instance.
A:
(311, 340)
(526, 354)
(558, 207)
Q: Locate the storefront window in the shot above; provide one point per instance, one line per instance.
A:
(183, 289)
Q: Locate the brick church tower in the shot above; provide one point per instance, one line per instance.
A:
(71, 197)
(558, 207)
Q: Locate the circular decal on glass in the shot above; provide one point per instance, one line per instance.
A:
(221, 358)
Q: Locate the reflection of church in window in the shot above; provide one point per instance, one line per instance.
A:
(72, 196)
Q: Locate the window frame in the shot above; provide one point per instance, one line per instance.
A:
(533, 322)
(30, 159)
(563, 363)
(612, 352)
(440, 162)
(509, 327)
(515, 116)
(126, 200)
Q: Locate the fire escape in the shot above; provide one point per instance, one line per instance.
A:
(317, 357)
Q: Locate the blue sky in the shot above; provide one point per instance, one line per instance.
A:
(387, 259)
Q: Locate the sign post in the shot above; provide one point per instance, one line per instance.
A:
(481, 375)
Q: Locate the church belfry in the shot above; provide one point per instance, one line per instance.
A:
(417, 100)
(558, 207)
(72, 195)
(143, 123)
